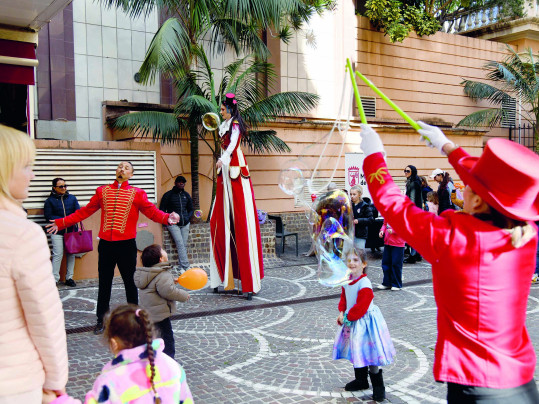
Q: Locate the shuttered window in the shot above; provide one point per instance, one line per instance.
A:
(86, 170)
(510, 109)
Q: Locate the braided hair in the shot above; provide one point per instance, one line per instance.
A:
(131, 325)
(231, 105)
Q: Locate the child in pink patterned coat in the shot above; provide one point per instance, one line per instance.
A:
(140, 372)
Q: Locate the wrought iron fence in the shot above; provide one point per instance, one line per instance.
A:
(524, 135)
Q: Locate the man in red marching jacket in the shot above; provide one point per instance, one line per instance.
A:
(120, 204)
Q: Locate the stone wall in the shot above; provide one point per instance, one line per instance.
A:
(198, 248)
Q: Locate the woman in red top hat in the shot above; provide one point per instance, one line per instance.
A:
(482, 260)
(235, 232)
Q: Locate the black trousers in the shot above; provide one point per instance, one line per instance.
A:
(460, 394)
(111, 253)
(165, 329)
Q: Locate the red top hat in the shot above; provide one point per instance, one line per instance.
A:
(506, 176)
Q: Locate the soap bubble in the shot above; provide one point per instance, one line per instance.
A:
(331, 224)
(294, 177)
(335, 204)
(332, 247)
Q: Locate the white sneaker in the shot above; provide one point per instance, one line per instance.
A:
(383, 287)
(395, 288)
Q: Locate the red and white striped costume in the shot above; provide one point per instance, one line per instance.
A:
(235, 232)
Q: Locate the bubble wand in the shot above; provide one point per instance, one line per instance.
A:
(356, 92)
(403, 114)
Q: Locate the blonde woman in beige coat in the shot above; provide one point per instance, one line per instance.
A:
(33, 350)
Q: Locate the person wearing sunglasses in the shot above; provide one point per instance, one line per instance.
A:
(59, 204)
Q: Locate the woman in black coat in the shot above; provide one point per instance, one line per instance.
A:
(61, 203)
(444, 193)
(413, 191)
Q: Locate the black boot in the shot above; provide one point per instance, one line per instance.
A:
(378, 388)
(250, 296)
(361, 382)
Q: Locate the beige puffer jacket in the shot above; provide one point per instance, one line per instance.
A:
(158, 292)
(33, 350)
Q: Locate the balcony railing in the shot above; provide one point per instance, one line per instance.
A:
(473, 20)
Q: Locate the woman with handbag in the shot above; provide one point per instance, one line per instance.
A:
(33, 349)
(61, 203)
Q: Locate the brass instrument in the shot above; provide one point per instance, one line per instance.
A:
(210, 121)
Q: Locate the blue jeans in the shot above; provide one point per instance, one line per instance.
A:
(58, 254)
(180, 236)
(392, 259)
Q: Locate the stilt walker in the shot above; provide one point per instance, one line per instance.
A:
(235, 232)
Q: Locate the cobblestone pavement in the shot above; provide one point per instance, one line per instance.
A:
(277, 347)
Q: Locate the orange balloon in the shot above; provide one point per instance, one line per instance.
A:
(193, 279)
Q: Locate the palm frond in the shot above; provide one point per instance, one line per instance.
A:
(278, 105)
(264, 141)
(263, 13)
(486, 117)
(168, 53)
(188, 85)
(195, 106)
(161, 126)
(477, 90)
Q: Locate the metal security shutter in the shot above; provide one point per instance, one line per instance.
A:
(85, 170)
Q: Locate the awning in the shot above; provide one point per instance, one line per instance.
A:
(17, 62)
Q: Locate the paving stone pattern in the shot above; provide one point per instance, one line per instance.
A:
(277, 350)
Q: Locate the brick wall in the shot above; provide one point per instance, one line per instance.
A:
(198, 248)
(296, 222)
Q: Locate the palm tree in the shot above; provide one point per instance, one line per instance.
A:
(516, 77)
(176, 52)
(197, 95)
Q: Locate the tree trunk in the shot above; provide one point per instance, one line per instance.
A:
(193, 141)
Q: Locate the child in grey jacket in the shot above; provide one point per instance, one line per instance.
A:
(158, 293)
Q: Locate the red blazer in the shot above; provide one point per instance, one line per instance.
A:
(481, 286)
(120, 211)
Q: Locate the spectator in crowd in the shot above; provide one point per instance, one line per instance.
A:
(432, 202)
(363, 216)
(425, 189)
(120, 204)
(33, 349)
(61, 203)
(178, 200)
(444, 190)
(414, 192)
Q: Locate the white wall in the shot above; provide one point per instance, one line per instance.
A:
(315, 58)
(109, 50)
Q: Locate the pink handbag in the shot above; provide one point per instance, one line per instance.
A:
(78, 242)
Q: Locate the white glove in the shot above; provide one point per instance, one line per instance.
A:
(370, 141)
(433, 137)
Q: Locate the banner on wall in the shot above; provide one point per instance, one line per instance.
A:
(353, 163)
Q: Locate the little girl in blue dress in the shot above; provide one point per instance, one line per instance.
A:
(363, 337)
